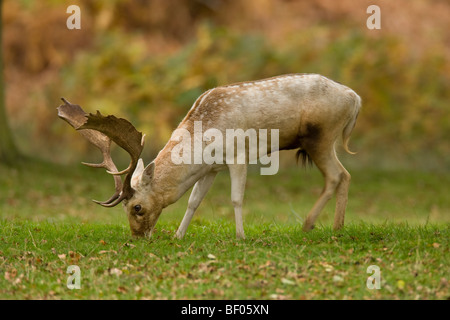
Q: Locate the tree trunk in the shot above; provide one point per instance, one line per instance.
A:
(9, 153)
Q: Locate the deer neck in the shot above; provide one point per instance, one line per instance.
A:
(171, 180)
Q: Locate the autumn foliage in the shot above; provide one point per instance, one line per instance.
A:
(149, 60)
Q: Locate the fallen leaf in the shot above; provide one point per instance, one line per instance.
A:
(328, 268)
(74, 256)
(215, 292)
(152, 255)
(211, 256)
(10, 275)
(121, 290)
(338, 279)
(287, 281)
(107, 251)
(115, 271)
(279, 297)
(265, 265)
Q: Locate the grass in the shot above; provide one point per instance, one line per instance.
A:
(396, 220)
(274, 262)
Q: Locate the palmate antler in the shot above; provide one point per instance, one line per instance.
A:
(100, 131)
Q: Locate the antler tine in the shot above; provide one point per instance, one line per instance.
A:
(127, 170)
(120, 173)
(118, 196)
(108, 164)
(107, 203)
(94, 165)
(113, 201)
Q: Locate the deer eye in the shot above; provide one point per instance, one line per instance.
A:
(137, 208)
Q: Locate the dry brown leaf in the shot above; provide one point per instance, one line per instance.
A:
(121, 290)
(10, 275)
(107, 251)
(115, 271)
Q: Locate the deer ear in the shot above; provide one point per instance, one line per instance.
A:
(147, 175)
(136, 178)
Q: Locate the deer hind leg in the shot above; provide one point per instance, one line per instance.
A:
(198, 193)
(341, 198)
(337, 180)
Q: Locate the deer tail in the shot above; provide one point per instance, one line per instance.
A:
(346, 133)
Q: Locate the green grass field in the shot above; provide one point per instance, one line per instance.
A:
(396, 220)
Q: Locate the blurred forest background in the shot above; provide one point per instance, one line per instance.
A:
(148, 61)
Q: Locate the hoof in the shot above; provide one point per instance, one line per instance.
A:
(179, 236)
(240, 236)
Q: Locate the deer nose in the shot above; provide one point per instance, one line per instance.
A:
(137, 234)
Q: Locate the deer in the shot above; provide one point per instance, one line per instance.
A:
(310, 112)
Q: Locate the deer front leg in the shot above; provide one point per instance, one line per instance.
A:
(238, 175)
(199, 191)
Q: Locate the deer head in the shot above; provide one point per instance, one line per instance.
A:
(135, 190)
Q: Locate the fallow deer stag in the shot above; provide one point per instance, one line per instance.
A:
(309, 111)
